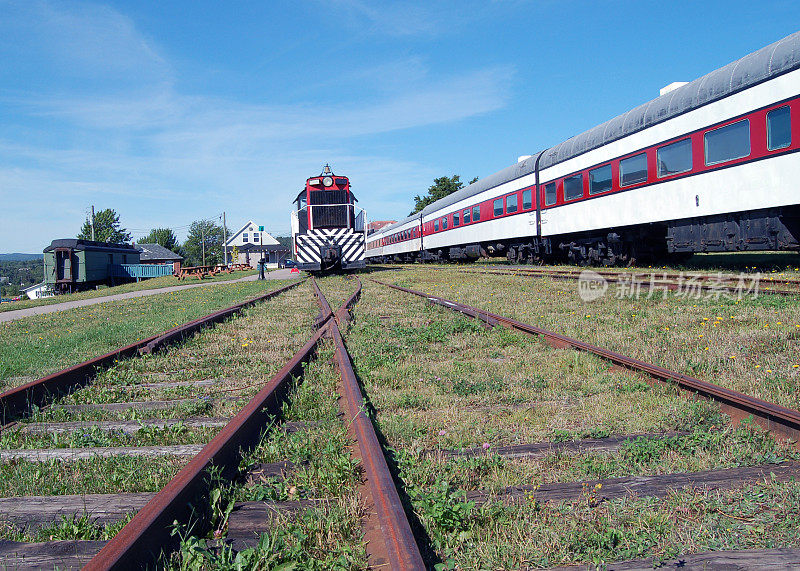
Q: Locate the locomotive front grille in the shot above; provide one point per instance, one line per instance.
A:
(330, 216)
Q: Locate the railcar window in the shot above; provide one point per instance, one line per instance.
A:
(466, 216)
(436, 225)
(498, 207)
(573, 187)
(727, 143)
(456, 219)
(550, 194)
(527, 201)
(476, 213)
(779, 130)
(674, 158)
(633, 170)
(511, 203)
(444, 223)
(600, 179)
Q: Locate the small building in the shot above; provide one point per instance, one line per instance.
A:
(72, 264)
(157, 254)
(376, 225)
(38, 291)
(273, 254)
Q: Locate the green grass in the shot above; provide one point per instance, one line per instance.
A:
(38, 345)
(102, 291)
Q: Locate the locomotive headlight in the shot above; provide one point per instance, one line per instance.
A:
(327, 181)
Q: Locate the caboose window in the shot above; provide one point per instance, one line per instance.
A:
(436, 225)
(779, 130)
(456, 219)
(573, 187)
(727, 143)
(476, 213)
(498, 207)
(633, 170)
(511, 203)
(674, 158)
(600, 179)
(527, 201)
(466, 216)
(550, 194)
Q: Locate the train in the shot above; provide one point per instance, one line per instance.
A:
(328, 228)
(708, 166)
(72, 264)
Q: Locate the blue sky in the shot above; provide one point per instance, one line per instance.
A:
(173, 111)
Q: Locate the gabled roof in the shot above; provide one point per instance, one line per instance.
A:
(149, 252)
(268, 238)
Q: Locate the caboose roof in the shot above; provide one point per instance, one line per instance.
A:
(89, 245)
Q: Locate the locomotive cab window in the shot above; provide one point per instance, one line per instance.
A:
(727, 143)
(573, 187)
(466, 216)
(633, 170)
(511, 203)
(779, 130)
(498, 207)
(456, 219)
(600, 179)
(550, 196)
(527, 201)
(674, 158)
(476, 213)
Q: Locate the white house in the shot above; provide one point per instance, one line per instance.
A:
(37, 291)
(248, 234)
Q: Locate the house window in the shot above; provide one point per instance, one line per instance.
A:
(511, 203)
(633, 170)
(244, 237)
(779, 132)
(256, 237)
(674, 158)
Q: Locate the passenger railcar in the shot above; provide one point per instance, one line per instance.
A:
(328, 229)
(711, 166)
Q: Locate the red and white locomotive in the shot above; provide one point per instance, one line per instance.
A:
(328, 229)
(709, 166)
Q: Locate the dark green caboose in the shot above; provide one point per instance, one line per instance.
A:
(73, 265)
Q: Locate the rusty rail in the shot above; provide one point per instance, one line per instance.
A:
(774, 417)
(626, 277)
(396, 546)
(144, 538)
(18, 401)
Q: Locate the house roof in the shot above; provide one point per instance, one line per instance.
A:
(77, 244)
(148, 252)
(268, 238)
(33, 287)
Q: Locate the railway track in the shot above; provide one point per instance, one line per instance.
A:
(687, 284)
(388, 470)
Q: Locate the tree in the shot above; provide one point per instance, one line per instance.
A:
(208, 233)
(106, 228)
(441, 187)
(164, 237)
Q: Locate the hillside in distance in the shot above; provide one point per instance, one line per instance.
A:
(17, 257)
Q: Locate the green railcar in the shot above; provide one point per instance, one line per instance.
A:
(73, 265)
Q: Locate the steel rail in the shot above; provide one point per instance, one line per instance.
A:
(400, 550)
(774, 417)
(148, 534)
(622, 279)
(19, 401)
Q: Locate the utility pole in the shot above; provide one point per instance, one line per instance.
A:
(224, 240)
(203, 241)
(92, 222)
